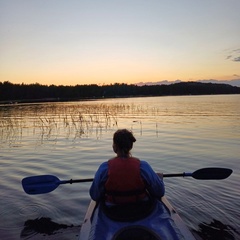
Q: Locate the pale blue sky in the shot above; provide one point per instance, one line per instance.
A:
(101, 41)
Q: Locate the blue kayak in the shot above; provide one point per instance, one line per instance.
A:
(162, 223)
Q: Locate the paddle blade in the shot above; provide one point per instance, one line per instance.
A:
(40, 184)
(212, 173)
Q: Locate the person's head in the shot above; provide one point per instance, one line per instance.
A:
(123, 140)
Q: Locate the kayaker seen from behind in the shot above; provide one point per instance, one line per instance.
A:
(124, 179)
(128, 200)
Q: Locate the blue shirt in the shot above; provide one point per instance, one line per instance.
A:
(155, 184)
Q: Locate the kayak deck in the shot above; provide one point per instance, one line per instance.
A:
(164, 223)
(178, 221)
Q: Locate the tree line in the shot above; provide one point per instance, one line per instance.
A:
(37, 92)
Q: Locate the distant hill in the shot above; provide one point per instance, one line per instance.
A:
(235, 83)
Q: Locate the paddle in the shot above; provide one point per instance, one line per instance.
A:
(48, 183)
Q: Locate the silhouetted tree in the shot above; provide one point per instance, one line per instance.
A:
(36, 92)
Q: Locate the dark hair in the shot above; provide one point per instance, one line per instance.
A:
(124, 140)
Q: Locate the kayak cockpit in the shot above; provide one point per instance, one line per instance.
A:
(129, 212)
(135, 233)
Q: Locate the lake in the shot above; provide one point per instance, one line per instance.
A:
(69, 140)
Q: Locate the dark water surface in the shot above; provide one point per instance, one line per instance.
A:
(70, 140)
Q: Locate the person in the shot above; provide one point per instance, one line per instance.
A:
(125, 179)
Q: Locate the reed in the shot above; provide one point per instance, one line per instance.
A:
(64, 119)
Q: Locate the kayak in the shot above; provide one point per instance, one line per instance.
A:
(162, 223)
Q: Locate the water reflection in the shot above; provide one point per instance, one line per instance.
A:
(50, 121)
(216, 230)
(44, 226)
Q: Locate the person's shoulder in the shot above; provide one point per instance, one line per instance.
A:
(111, 159)
(144, 164)
(134, 158)
(103, 165)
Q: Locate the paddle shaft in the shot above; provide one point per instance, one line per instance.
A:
(77, 180)
(91, 179)
(177, 175)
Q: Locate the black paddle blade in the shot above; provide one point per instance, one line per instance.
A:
(40, 184)
(212, 173)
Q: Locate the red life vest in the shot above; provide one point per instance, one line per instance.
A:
(124, 183)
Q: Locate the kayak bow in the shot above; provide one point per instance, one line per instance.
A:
(163, 223)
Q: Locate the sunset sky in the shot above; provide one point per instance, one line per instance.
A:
(69, 42)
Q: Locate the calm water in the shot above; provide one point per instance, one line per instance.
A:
(70, 140)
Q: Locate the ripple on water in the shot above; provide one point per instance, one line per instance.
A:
(32, 210)
(32, 220)
(210, 219)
